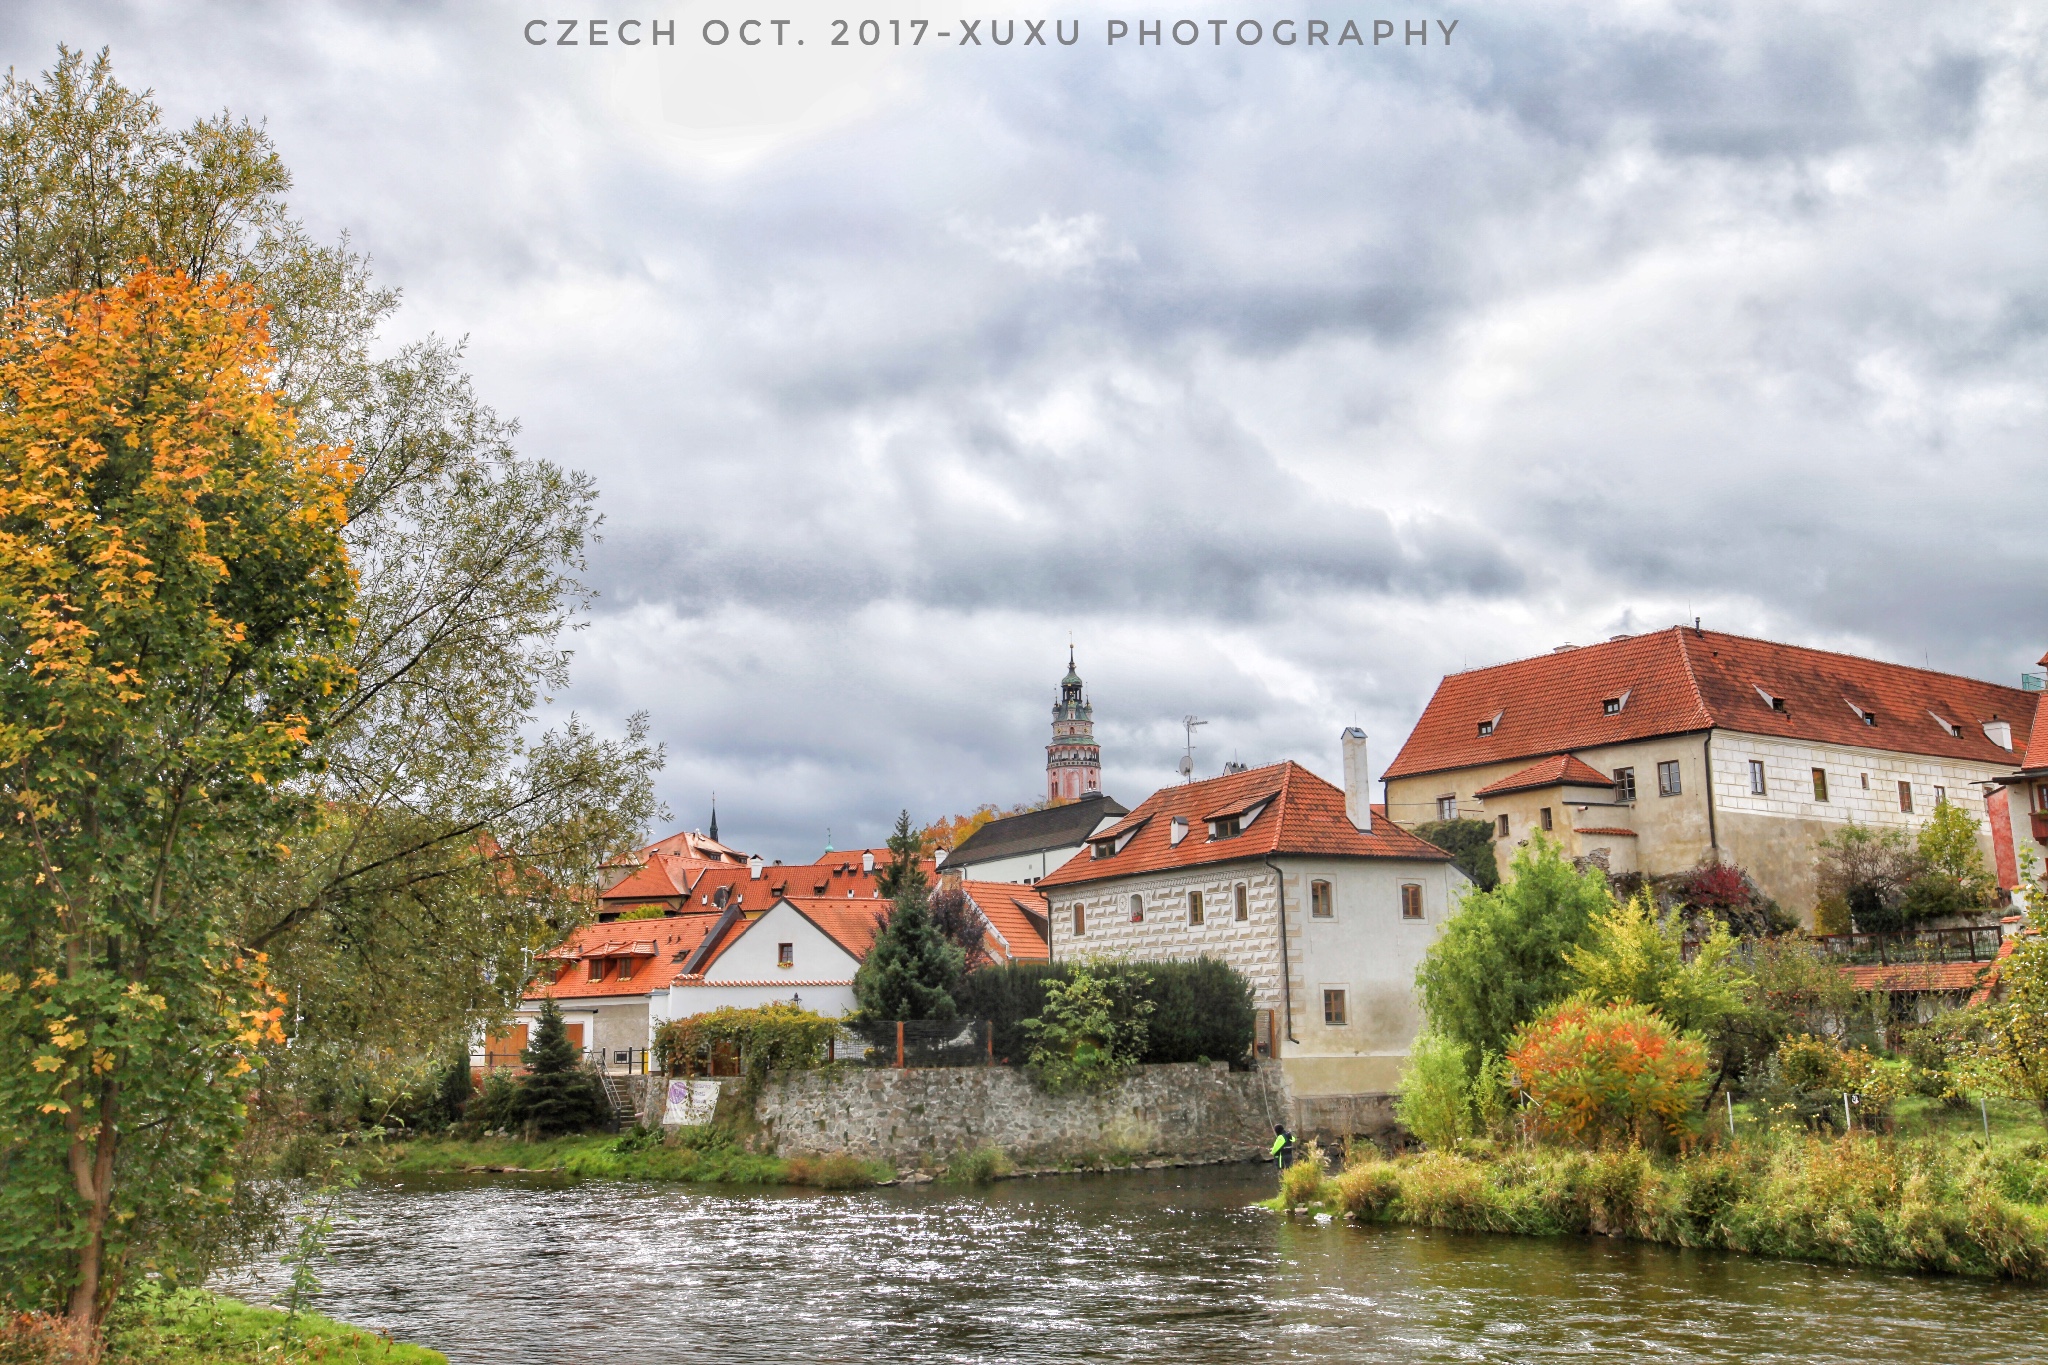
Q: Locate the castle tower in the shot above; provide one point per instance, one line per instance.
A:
(1073, 761)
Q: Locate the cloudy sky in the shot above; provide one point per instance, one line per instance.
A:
(1284, 379)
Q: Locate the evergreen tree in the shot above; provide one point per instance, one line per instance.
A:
(912, 970)
(1470, 844)
(456, 1088)
(558, 1095)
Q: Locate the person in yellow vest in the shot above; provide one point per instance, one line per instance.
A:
(1283, 1147)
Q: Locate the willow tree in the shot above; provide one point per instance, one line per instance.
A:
(444, 833)
(174, 615)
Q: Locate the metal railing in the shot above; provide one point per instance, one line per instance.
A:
(621, 1061)
(1969, 943)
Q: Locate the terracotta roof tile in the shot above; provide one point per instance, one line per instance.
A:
(656, 948)
(1017, 913)
(1556, 771)
(1677, 681)
(2037, 738)
(1607, 832)
(1306, 816)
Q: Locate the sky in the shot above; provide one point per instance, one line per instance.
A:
(1282, 380)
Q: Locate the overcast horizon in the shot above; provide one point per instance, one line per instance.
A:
(1283, 380)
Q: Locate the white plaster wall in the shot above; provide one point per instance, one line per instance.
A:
(682, 1001)
(752, 956)
(1252, 946)
(1788, 779)
(1025, 867)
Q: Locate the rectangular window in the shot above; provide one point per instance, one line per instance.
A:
(1244, 911)
(1611, 706)
(1624, 784)
(1543, 817)
(785, 954)
(596, 969)
(1320, 904)
(1485, 728)
(1906, 797)
(1447, 807)
(1940, 795)
(1333, 1009)
(1820, 784)
(1756, 777)
(1411, 901)
(1667, 778)
(1080, 922)
(625, 968)
(1500, 828)
(1194, 907)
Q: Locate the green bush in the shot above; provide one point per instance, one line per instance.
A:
(1006, 995)
(980, 1166)
(1470, 844)
(1091, 1032)
(1201, 1010)
(1435, 1099)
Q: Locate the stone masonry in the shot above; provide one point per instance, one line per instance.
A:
(1187, 1112)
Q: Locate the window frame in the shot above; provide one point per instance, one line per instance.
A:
(1544, 820)
(1339, 997)
(1670, 777)
(1759, 780)
(1080, 920)
(625, 969)
(1412, 909)
(1501, 826)
(1820, 786)
(1906, 796)
(1241, 905)
(1195, 911)
(1137, 907)
(785, 955)
(1940, 795)
(594, 969)
(1447, 807)
(1322, 900)
(1625, 783)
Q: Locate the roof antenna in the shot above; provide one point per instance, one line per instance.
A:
(1187, 762)
(1696, 628)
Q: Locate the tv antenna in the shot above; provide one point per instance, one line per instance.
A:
(1187, 762)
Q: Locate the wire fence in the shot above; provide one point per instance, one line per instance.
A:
(918, 1043)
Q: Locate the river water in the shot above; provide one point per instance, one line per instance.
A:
(1144, 1266)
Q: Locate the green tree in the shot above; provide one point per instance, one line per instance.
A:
(175, 603)
(558, 1094)
(1952, 878)
(1092, 1031)
(1865, 871)
(1630, 955)
(1470, 844)
(911, 971)
(2009, 1054)
(446, 834)
(1501, 959)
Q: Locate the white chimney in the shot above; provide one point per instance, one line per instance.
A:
(1999, 732)
(867, 862)
(754, 867)
(1357, 780)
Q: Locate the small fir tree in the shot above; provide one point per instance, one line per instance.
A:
(911, 971)
(453, 1096)
(558, 1094)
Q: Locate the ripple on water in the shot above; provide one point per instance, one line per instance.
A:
(1153, 1266)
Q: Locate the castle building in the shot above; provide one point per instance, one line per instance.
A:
(1073, 761)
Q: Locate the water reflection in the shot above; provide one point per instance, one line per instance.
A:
(1155, 1266)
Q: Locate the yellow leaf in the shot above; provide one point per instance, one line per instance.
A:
(49, 1063)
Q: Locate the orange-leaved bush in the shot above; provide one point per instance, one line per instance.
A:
(1596, 1075)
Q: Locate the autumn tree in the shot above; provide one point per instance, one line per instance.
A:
(175, 599)
(447, 834)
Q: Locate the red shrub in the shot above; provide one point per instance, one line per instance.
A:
(1600, 1074)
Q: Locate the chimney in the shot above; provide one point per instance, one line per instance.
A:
(754, 867)
(1357, 780)
(867, 862)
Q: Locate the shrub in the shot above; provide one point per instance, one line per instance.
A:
(1470, 844)
(1597, 1074)
(911, 969)
(768, 1038)
(980, 1166)
(1934, 1048)
(1722, 893)
(1006, 995)
(1201, 1010)
(1302, 1183)
(1367, 1189)
(1435, 1099)
(558, 1094)
(1867, 870)
(1091, 1032)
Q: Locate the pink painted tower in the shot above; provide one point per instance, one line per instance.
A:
(1073, 761)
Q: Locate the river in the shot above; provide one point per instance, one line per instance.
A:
(1145, 1266)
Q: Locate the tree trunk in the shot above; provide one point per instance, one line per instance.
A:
(92, 1172)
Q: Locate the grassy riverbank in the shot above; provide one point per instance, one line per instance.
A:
(1955, 1206)
(629, 1157)
(189, 1327)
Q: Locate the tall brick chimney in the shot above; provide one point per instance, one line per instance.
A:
(1357, 780)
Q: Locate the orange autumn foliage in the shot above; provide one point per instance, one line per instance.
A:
(1596, 1075)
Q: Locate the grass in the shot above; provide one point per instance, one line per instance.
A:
(190, 1327)
(980, 1166)
(1922, 1203)
(702, 1156)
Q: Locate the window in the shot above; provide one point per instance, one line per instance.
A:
(1611, 707)
(596, 969)
(1333, 1009)
(1080, 922)
(1940, 795)
(1866, 781)
(1756, 777)
(1906, 797)
(1820, 784)
(1485, 728)
(1244, 911)
(1320, 904)
(785, 955)
(1624, 784)
(1447, 807)
(1667, 778)
(1543, 818)
(1411, 900)
(1500, 828)
(1137, 909)
(1194, 907)
(1226, 828)
(625, 968)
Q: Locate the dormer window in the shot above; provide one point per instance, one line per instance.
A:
(1868, 717)
(1225, 828)
(1612, 705)
(1487, 727)
(1948, 727)
(1776, 703)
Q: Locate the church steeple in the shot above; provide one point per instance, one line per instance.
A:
(1073, 761)
(714, 817)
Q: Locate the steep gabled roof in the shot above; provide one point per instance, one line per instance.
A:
(1016, 913)
(1037, 831)
(1305, 816)
(657, 879)
(851, 924)
(656, 947)
(1558, 770)
(1682, 680)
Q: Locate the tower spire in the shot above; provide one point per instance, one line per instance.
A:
(714, 817)
(1073, 761)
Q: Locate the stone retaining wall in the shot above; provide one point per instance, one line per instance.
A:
(1190, 1112)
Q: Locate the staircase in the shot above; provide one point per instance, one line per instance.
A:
(625, 1096)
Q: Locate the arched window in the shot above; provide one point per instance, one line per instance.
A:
(1321, 904)
(1137, 909)
(1244, 911)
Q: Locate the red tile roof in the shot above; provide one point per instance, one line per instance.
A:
(849, 923)
(1306, 816)
(1009, 908)
(658, 879)
(1555, 771)
(656, 948)
(1607, 831)
(1681, 680)
(1922, 976)
(2037, 741)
